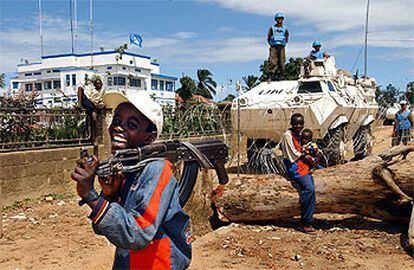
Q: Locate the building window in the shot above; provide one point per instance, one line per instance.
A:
(86, 78)
(48, 85)
(135, 82)
(37, 73)
(73, 79)
(162, 85)
(28, 87)
(49, 71)
(108, 68)
(138, 70)
(56, 84)
(124, 68)
(28, 74)
(169, 86)
(67, 80)
(154, 84)
(110, 81)
(119, 81)
(55, 71)
(38, 86)
(15, 85)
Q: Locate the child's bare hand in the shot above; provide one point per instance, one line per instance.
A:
(84, 175)
(111, 186)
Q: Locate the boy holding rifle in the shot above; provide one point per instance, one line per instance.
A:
(138, 212)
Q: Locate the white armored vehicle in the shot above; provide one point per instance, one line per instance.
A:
(337, 108)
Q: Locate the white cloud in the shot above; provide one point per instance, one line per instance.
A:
(185, 35)
(329, 15)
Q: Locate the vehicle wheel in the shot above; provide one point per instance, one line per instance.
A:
(362, 143)
(186, 174)
(334, 143)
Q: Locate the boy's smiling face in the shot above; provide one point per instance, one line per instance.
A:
(129, 128)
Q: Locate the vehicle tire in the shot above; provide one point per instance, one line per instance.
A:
(388, 122)
(362, 143)
(334, 143)
(186, 174)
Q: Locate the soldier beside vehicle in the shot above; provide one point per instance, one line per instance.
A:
(403, 125)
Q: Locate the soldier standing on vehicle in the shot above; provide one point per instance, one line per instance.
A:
(277, 37)
(402, 125)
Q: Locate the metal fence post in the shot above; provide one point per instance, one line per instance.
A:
(238, 137)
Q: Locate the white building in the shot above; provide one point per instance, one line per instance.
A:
(56, 77)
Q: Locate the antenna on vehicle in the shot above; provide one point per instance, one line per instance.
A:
(366, 41)
(91, 29)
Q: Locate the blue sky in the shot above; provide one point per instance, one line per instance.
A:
(225, 36)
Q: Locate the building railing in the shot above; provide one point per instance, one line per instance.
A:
(42, 128)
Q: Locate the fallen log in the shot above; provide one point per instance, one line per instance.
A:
(378, 187)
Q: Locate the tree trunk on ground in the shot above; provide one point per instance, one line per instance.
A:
(366, 187)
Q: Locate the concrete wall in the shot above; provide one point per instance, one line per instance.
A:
(29, 174)
(33, 173)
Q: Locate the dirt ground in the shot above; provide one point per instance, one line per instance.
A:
(54, 233)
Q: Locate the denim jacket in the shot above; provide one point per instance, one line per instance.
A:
(148, 226)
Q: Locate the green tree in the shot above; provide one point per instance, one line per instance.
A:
(2, 80)
(188, 87)
(206, 85)
(230, 97)
(410, 92)
(388, 96)
(251, 81)
(264, 68)
(292, 69)
(120, 50)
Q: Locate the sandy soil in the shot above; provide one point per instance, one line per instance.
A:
(56, 234)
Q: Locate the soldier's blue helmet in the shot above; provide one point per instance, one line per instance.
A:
(316, 43)
(279, 15)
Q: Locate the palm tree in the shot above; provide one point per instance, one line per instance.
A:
(206, 85)
(251, 81)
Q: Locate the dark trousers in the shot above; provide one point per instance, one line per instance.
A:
(276, 61)
(307, 197)
(401, 135)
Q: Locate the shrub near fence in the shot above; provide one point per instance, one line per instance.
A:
(22, 128)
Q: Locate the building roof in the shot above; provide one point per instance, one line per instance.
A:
(162, 76)
(93, 54)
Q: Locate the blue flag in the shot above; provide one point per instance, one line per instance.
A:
(135, 39)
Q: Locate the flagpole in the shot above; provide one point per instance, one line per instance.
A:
(71, 23)
(41, 28)
(75, 24)
(91, 29)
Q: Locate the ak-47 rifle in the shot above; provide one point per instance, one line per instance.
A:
(206, 154)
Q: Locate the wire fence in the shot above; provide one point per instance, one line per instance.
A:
(32, 128)
(260, 131)
(196, 120)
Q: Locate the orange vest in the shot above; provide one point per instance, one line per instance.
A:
(303, 168)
